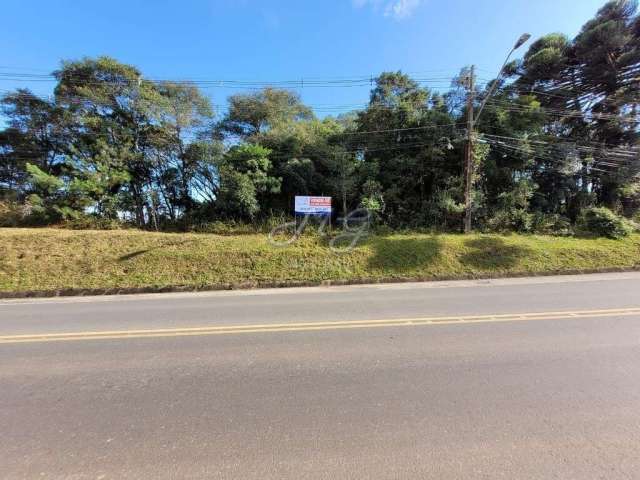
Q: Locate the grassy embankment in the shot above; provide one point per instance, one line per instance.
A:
(55, 260)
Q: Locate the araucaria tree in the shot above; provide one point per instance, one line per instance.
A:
(557, 139)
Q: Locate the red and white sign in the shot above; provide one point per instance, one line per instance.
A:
(313, 205)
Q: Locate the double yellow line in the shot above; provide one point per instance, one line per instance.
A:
(312, 326)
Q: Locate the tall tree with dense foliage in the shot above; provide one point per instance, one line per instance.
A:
(557, 142)
(406, 137)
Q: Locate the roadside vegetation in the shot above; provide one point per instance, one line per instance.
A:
(113, 147)
(151, 187)
(56, 259)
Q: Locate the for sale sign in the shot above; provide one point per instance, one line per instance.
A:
(313, 205)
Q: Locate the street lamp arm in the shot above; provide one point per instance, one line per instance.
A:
(493, 86)
(523, 38)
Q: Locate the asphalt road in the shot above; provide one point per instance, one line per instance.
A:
(524, 378)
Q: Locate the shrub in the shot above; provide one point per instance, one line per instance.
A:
(603, 222)
(13, 214)
(240, 227)
(91, 222)
(517, 220)
(551, 224)
(227, 227)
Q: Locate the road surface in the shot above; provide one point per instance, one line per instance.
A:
(524, 378)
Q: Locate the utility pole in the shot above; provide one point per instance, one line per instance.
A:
(468, 152)
(469, 167)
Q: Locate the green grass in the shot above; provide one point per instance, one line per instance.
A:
(50, 259)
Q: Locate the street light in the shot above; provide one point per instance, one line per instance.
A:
(521, 41)
(468, 183)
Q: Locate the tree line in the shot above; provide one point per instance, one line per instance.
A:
(558, 137)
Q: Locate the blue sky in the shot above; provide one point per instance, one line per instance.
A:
(279, 40)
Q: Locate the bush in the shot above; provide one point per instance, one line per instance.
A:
(514, 220)
(32, 214)
(228, 227)
(551, 224)
(13, 214)
(240, 227)
(91, 222)
(603, 222)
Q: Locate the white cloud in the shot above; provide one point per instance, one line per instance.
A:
(397, 9)
(400, 9)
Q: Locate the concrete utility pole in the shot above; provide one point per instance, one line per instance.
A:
(468, 152)
(469, 167)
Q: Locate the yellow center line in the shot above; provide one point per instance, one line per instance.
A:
(313, 326)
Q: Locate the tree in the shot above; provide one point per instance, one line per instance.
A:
(109, 104)
(33, 136)
(408, 136)
(244, 173)
(588, 89)
(185, 114)
(252, 114)
(559, 136)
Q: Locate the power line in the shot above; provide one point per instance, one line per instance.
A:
(623, 154)
(212, 83)
(545, 156)
(316, 107)
(588, 115)
(556, 141)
